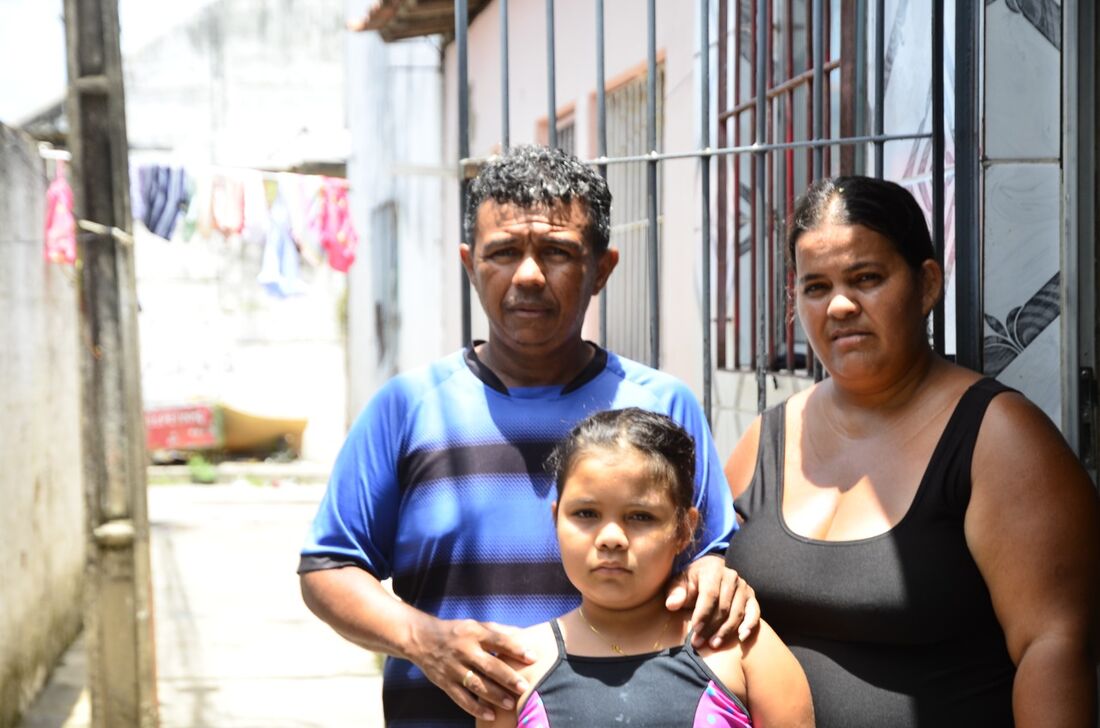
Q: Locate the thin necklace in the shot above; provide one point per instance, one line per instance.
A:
(613, 645)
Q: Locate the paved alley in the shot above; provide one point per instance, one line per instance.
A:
(236, 648)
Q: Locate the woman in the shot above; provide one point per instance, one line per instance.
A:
(623, 517)
(921, 537)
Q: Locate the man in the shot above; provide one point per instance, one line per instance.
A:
(441, 486)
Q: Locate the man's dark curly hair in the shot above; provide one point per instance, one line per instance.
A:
(536, 177)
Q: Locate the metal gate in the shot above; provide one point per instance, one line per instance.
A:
(788, 103)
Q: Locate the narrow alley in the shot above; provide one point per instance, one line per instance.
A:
(236, 648)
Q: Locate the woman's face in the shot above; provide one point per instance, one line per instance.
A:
(618, 530)
(861, 305)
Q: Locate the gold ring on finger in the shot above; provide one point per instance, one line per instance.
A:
(467, 678)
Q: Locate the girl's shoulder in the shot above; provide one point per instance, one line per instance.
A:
(543, 644)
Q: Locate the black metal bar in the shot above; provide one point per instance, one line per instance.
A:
(860, 83)
(938, 146)
(505, 130)
(704, 186)
(722, 192)
(819, 85)
(651, 188)
(880, 85)
(551, 79)
(968, 254)
(736, 195)
(818, 11)
(601, 137)
(760, 117)
(752, 148)
(461, 17)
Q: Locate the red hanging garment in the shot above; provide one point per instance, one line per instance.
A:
(60, 234)
(333, 225)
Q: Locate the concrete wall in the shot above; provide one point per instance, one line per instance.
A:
(246, 83)
(42, 549)
(399, 298)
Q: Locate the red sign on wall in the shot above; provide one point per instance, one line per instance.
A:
(191, 427)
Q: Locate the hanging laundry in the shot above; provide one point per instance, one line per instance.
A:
(300, 194)
(334, 226)
(60, 222)
(279, 265)
(138, 175)
(163, 194)
(198, 220)
(227, 204)
(255, 217)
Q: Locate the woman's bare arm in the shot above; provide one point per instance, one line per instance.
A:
(1033, 527)
(742, 461)
(778, 695)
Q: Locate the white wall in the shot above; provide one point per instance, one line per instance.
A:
(252, 83)
(41, 484)
(396, 165)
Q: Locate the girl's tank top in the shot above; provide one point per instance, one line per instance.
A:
(670, 688)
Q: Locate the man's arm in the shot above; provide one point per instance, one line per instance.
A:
(456, 655)
(350, 547)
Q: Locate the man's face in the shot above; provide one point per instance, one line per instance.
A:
(534, 273)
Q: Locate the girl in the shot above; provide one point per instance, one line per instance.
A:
(623, 515)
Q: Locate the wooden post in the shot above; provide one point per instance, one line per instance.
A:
(118, 602)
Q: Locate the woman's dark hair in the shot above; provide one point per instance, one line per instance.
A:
(542, 178)
(669, 449)
(885, 207)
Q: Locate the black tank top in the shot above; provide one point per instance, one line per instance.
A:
(894, 630)
(665, 689)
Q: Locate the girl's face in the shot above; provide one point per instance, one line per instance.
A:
(618, 529)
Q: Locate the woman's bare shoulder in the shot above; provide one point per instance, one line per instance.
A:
(741, 465)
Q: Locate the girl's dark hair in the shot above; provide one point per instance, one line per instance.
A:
(885, 207)
(668, 447)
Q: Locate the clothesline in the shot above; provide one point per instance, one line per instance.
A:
(268, 175)
(48, 151)
(293, 215)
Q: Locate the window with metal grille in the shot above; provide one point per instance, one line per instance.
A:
(627, 302)
(567, 134)
(566, 130)
(756, 191)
